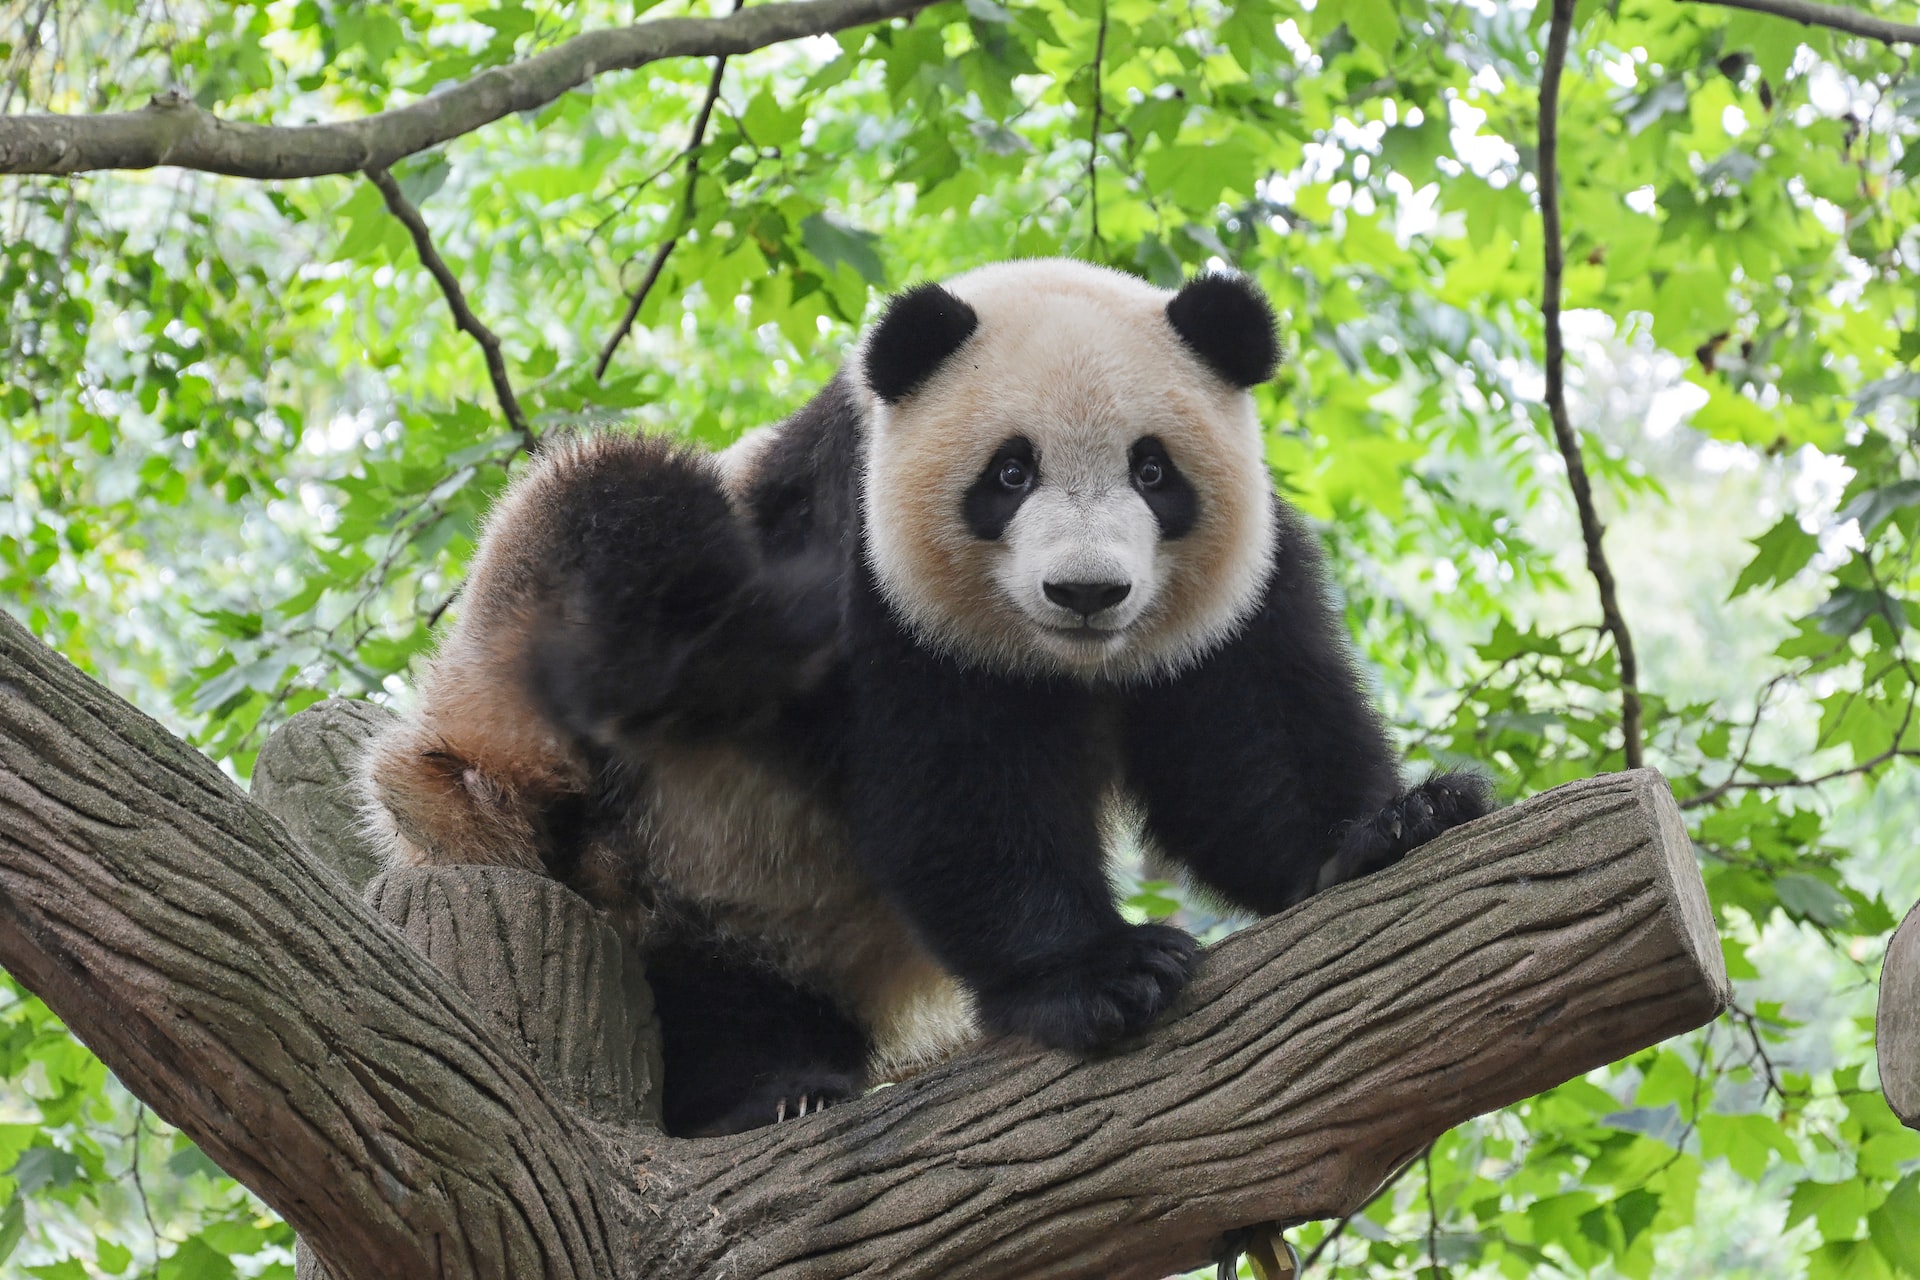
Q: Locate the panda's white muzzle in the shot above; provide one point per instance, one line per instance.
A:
(1080, 566)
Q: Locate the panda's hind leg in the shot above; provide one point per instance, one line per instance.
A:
(662, 615)
(744, 1046)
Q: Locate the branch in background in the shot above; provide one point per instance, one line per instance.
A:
(463, 316)
(652, 277)
(173, 130)
(1807, 13)
(1894, 751)
(1563, 434)
(1093, 134)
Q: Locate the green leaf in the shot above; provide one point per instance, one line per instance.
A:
(65, 1270)
(13, 1225)
(42, 1167)
(767, 124)
(1809, 899)
(420, 180)
(1374, 23)
(196, 1260)
(1894, 1227)
(833, 243)
(113, 1258)
(1779, 553)
(1198, 176)
(1745, 1141)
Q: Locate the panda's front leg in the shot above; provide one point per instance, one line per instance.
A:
(1265, 767)
(974, 805)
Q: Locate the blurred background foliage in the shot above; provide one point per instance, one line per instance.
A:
(246, 453)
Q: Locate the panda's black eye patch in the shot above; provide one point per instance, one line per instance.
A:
(1168, 495)
(999, 490)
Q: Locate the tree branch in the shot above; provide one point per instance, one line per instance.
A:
(463, 317)
(652, 276)
(173, 130)
(1563, 433)
(1093, 132)
(250, 998)
(408, 1124)
(1837, 17)
(1897, 1023)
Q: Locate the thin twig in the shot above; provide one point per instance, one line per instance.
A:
(692, 154)
(139, 1187)
(1746, 746)
(1894, 750)
(463, 316)
(1851, 21)
(1340, 1227)
(1433, 1213)
(1590, 528)
(1093, 133)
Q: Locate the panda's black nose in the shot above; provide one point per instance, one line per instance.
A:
(1086, 598)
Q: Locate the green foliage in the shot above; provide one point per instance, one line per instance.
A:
(248, 452)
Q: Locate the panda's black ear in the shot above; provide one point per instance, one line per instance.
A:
(1225, 319)
(921, 328)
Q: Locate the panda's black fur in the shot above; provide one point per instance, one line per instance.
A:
(637, 605)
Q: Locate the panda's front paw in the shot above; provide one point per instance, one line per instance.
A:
(1104, 993)
(1442, 802)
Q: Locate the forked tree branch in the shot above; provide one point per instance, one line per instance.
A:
(651, 277)
(413, 1124)
(463, 316)
(1836, 17)
(173, 130)
(1591, 530)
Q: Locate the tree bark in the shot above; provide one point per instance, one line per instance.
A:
(1897, 1026)
(320, 1058)
(304, 777)
(173, 130)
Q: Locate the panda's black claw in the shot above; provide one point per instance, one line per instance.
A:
(1439, 804)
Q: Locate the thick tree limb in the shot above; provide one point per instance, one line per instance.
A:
(250, 998)
(1897, 1026)
(1591, 530)
(255, 1002)
(1837, 17)
(172, 130)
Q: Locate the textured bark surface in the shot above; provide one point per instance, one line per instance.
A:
(304, 777)
(561, 984)
(253, 1000)
(319, 1057)
(1897, 1028)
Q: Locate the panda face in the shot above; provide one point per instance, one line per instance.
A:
(1071, 489)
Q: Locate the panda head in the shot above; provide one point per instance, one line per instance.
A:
(1064, 474)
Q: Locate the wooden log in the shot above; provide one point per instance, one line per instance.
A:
(255, 1002)
(304, 777)
(1897, 1024)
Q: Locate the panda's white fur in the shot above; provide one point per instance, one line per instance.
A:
(1081, 360)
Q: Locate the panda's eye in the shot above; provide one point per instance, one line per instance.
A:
(1149, 472)
(1013, 474)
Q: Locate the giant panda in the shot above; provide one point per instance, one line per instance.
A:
(845, 719)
